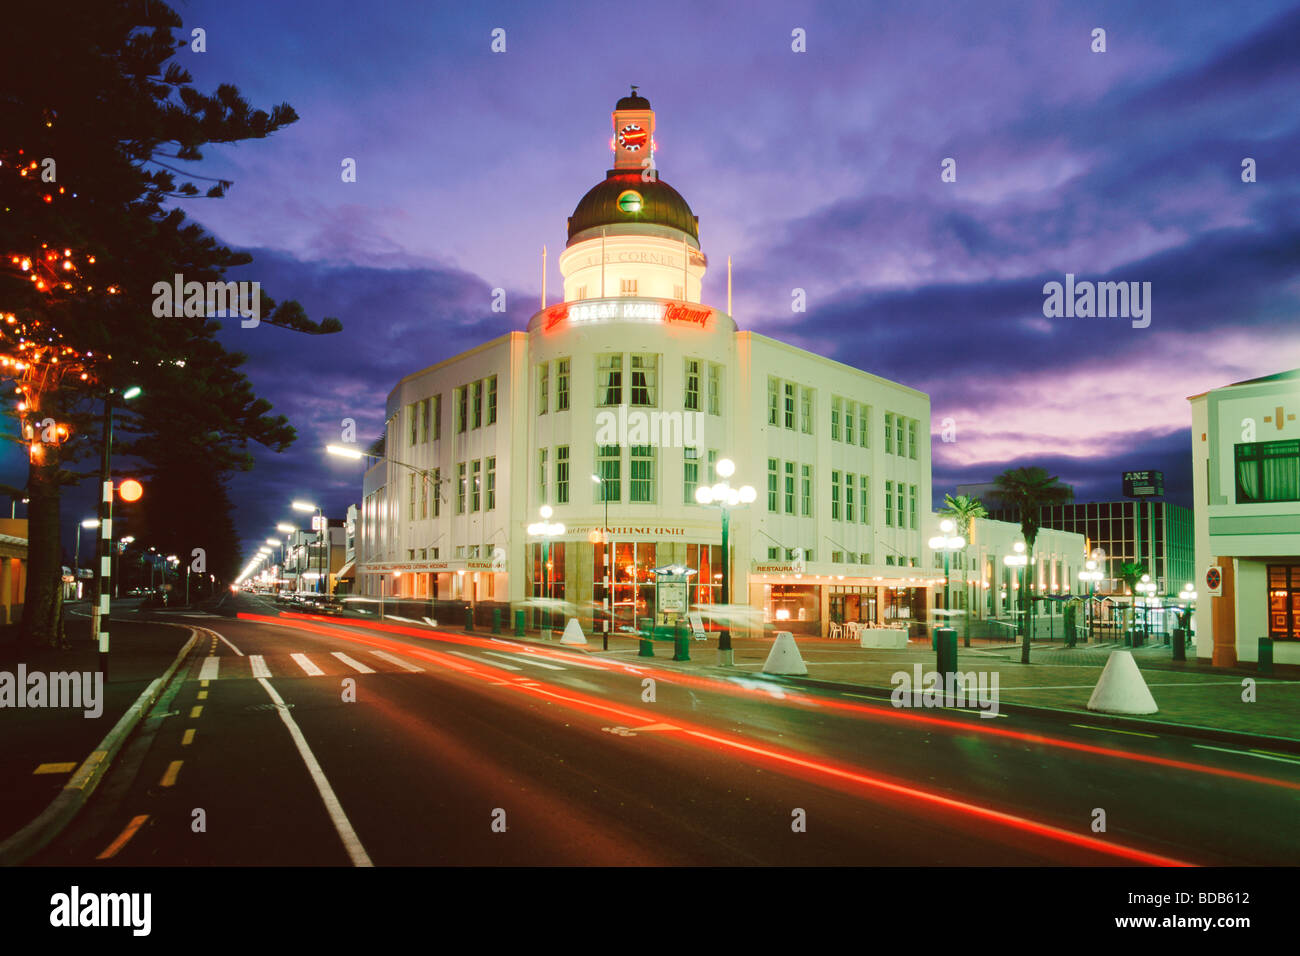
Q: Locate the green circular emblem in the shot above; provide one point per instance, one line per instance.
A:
(629, 201)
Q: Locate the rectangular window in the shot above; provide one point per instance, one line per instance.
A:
(806, 486)
(582, 292)
(609, 380)
(773, 400)
(413, 416)
(898, 436)
(773, 554)
(491, 484)
(889, 504)
(1267, 471)
(492, 400)
(478, 404)
(789, 487)
(911, 439)
(562, 475)
(678, 293)
(410, 508)
(462, 409)
(711, 472)
(690, 474)
(789, 405)
(460, 488)
(864, 501)
(543, 388)
(425, 409)
(645, 380)
(476, 489)
(848, 422)
(848, 497)
(806, 411)
(837, 409)
(692, 400)
(424, 495)
(609, 460)
(562, 385)
(541, 476)
(773, 485)
(835, 496)
(1283, 600)
(902, 523)
(627, 286)
(864, 416)
(437, 492)
(715, 389)
(889, 433)
(641, 477)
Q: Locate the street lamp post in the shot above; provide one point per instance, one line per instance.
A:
(545, 530)
(1091, 575)
(1019, 560)
(322, 529)
(1146, 587)
(947, 542)
(609, 564)
(724, 497)
(99, 614)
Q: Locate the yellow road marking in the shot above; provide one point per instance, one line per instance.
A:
(203, 695)
(204, 683)
(55, 768)
(111, 850)
(195, 711)
(1109, 730)
(188, 738)
(173, 771)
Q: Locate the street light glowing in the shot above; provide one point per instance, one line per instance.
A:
(90, 523)
(286, 528)
(343, 451)
(130, 490)
(546, 512)
(133, 392)
(275, 541)
(304, 506)
(726, 467)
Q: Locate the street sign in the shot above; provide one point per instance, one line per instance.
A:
(697, 626)
(317, 522)
(1144, 484)
(1214, 581)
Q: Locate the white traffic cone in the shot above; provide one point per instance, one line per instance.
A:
(784, 657)
(573, 633)
(1121, 689)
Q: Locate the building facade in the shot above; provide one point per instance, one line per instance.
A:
(1246, 482)
(611, 408)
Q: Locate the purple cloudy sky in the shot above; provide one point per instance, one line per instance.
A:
(818, 170)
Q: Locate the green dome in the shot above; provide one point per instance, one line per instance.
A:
(659, 205)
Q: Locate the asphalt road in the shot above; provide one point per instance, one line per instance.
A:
(471, 750)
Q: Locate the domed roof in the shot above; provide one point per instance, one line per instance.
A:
(633, 102)
(658, 205)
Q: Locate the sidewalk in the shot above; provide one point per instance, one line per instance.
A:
(56, 741)
(1059, 680)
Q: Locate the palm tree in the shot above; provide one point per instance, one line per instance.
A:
(1130, 572)
(964, 510)
(1028, 490)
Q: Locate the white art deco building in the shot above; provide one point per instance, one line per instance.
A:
(633, 380)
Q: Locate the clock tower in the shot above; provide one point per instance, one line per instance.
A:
(634, 130)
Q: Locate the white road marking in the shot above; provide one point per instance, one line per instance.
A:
(351, 843)
(211, 664)
(1248, 753)
(223, 638)
(356, 665)
(394, 659)
(479, 660)
(430, 621)
(258, 663)
(393, 617)
(525, 660)
(303, 661)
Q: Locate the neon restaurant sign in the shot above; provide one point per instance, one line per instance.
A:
(654, 311)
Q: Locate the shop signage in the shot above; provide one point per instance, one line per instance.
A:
(777, 567)
(459, 564)
(657, 311)
(627, 531)
(1144, 484)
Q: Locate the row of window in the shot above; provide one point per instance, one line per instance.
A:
(642, 385)
(561, 474)
(469, 404)
(561, 386)
(428, 485)
(472, 494)
(424, 420)
(788, 402)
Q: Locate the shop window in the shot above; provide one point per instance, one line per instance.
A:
(1267, 471)
(609, 380)
(645, 371)
(1284, 602)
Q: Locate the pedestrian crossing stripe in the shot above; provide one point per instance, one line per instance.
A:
(213, 667)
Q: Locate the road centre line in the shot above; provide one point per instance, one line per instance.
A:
(112, 849)
(1261, 754)
(1112, 730)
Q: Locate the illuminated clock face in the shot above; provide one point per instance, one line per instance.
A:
(633, 138)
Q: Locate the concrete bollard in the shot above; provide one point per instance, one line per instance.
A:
(1264, 663)
(945, 645)
(519, 623)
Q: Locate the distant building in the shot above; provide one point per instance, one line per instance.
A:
(1246, 483)
(13, 568)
